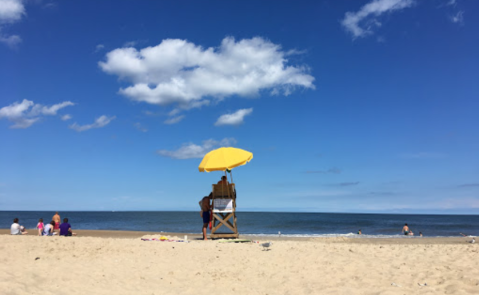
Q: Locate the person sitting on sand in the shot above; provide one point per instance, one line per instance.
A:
(40, 226)
(48, 229)
(66, 229)
(205, 209)
(359, 232)
(405, 230)
(56, 218)
(17, 229)
(420, 234)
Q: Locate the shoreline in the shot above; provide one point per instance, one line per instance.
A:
(122, 234)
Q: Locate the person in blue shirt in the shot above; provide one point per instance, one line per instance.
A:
(66, 229)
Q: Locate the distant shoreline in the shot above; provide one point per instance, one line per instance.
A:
(247, 211)
(122, 234)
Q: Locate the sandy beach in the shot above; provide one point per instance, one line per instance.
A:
(117, 262)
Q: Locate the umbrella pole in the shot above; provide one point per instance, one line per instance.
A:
(231, 175)
(227, 186)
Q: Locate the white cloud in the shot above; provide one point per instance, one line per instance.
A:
(25, 113)
(180, 72)
(66, 117)
(129, 44)
(39, 109)
(99, 122)
(191, 150)
(99, 47)
(16, 109)
(360, 23)
(11, 41)
(11, 11)
(458, 18)
(235, 118)
(174, 120)
(451, 3)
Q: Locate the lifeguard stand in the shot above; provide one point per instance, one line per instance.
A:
(224, 210)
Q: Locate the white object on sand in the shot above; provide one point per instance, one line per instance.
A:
(472, 241)
(266, 245)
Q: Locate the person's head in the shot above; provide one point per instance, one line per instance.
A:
(223, 178)
(15, 220)
(52, 223)
(65, 220)
(405, 224)
(56, 213)
(40, 220)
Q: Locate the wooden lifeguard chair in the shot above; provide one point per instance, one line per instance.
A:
(224, 211)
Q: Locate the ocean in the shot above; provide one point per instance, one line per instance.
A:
(262, 223)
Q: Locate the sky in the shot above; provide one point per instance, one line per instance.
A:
(348, 106)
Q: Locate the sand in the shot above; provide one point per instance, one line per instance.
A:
(106, 262)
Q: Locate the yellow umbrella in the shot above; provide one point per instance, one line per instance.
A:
(225, 158)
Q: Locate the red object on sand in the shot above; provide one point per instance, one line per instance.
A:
(211, 218)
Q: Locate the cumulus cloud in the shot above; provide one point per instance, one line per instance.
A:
(182, 73)
(174, 120)
(11, 11)
(191, 150)
(362, 22)
(235, 118)
(100, 122)
(26, 113)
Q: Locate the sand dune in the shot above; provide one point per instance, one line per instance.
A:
(95, 265)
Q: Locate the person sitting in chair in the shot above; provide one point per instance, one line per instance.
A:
(223, 180)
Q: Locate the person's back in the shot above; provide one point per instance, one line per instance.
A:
(205, 204)
(48, 229)
(56, 219)
(65, 228)
(223, 181)
(15, 229)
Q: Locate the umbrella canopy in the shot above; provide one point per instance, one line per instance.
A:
(225, 158)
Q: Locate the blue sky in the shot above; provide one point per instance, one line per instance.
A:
(347, 106)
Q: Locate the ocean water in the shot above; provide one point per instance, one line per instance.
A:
(262, 223)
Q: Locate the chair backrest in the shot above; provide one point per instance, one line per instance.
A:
(221, 191)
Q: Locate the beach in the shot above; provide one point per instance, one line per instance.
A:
(117, 262)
